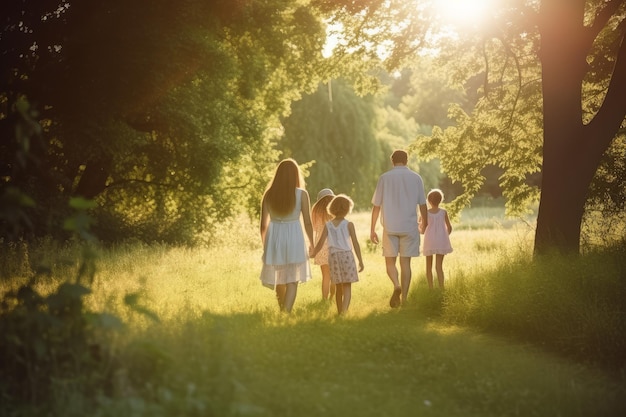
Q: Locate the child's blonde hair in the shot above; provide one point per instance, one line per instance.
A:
(319, 211)
(435, 196)
(341, 205)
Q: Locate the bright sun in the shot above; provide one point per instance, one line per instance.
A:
(462, 12)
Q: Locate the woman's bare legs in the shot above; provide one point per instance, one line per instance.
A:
(286, 296)
(429, 270)
(439, 269)
(281, 290)
(290, 295)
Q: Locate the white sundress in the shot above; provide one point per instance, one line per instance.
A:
(285, 257)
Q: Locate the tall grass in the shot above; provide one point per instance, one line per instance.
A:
(508, 336)
(573, 306)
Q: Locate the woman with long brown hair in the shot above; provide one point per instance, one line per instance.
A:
(285, 257)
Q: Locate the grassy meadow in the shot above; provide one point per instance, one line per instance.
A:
(506, 338)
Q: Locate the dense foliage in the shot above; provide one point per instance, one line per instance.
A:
(160, 112)
(550, 106)
(337, 132)
(168, 116)
(551, 102)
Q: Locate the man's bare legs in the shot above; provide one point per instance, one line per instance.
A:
(392, 272)
(405, 276)
(401, 286)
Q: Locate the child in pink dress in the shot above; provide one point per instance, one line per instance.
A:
(319, 216)
(342, 246)
(436, 237)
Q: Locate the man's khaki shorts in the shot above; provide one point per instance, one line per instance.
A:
(403, 244)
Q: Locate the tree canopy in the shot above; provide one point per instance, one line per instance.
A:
(552, 101)
(162, 112)
(168, 115)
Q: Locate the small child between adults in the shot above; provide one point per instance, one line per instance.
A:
(436, 237)
(342, 246)
(319, 216)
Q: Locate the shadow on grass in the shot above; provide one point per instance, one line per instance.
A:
(394, 362)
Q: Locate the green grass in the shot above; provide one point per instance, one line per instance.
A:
(488, 346)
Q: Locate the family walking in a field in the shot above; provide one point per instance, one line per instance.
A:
(399, 193)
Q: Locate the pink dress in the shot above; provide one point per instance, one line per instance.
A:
(436, 237)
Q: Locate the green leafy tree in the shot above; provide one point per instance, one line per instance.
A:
(396, 130)
(552, 100)
(428, 95)
(583, 58)
(337, 132)
(166, 114)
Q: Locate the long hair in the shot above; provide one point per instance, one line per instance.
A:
(319, 211)
(281, 191)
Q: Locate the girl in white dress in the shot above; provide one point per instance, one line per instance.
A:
(342, 242)
(436, 237)
(319, 216)
(285, 263)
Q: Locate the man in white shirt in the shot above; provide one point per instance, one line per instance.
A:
(399, 193)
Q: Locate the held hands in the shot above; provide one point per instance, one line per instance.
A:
(422, 225)
(312, 252)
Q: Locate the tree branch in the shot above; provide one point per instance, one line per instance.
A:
(613, 110)
(603, 17)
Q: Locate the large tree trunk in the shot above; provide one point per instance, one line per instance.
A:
(563, 183)
(572, 151)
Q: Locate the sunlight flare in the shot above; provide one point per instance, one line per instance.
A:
(463, 12)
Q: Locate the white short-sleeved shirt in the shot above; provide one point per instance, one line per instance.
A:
(399, 192)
